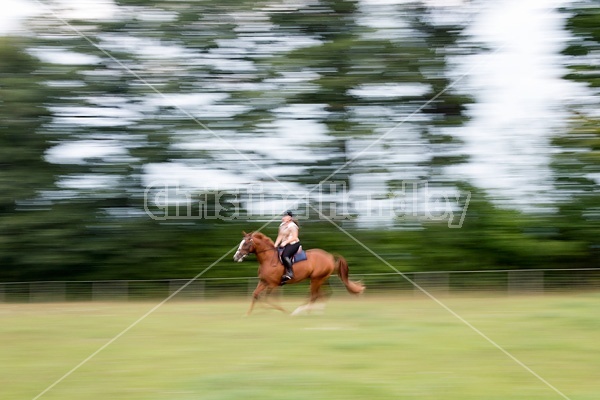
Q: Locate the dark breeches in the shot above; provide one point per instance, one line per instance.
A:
(288, 252)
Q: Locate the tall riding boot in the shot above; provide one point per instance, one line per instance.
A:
(289, 272)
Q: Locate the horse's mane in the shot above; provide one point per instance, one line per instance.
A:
(260, 236)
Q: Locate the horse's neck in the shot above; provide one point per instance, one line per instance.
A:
(266, 255)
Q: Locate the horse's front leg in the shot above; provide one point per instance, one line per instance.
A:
(272, 304)
(256, 294)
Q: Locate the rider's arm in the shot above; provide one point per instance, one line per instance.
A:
(278, 240)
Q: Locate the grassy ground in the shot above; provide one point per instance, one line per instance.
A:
(395, 347)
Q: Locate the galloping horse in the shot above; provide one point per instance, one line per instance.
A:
(318, 266)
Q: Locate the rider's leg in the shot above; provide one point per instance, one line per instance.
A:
(286, 259)
(289, 272)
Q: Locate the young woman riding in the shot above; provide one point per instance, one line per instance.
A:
(288, 239)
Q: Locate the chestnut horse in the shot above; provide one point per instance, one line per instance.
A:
(318, 267)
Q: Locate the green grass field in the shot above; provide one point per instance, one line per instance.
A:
(380, 347)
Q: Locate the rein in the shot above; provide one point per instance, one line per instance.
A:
(262, 251)
(276, 256)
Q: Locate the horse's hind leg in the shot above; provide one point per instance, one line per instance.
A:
(316, 291)
(315, 294)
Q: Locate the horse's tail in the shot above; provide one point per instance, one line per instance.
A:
(342, 269)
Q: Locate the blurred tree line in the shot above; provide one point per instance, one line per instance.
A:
(74, 215)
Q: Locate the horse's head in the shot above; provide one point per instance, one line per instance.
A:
(246, 247)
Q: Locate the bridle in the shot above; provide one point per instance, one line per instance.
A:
(251, 240)
(247, 244)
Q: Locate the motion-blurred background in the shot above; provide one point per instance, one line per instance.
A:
(140, 137)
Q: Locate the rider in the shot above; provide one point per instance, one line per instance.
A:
(288, 239)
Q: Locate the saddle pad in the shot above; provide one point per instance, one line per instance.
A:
(300, 255)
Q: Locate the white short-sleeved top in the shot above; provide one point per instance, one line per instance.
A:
(286, 230)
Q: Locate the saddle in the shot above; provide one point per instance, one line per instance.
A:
(299, 256)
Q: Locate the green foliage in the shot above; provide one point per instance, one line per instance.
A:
(584, 24)
(54, 227)
(577, 163)
(498, 239)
